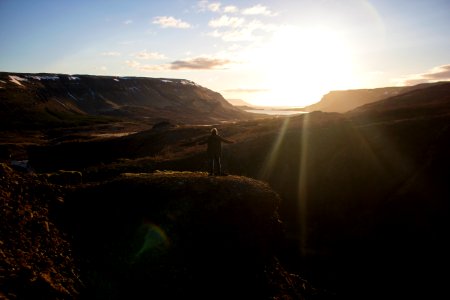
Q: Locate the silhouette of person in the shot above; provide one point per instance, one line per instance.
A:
(214, 151)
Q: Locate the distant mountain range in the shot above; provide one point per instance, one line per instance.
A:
(58, 99)
(346, 100)
(239, 102)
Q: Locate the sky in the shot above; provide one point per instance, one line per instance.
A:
(271, 53)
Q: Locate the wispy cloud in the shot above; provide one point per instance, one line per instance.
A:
(205, 5)
(258, 10)
(242, 32)
(230, 9)
(170, 22)
(110, 53)
(127, 22)
(226, 21)
(197, 63)
(247, 91)
(236, 28)
(133, 64)
(149, 55)
(217, 7)
(440, 73)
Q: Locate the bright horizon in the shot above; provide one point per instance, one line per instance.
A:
(267, 53)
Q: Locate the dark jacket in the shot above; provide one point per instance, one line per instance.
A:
(215, 144)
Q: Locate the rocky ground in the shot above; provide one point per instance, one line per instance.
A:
(37, 260)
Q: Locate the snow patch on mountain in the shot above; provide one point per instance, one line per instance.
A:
(72, 96)
(47, 77)
(17, 79)
(61, 103)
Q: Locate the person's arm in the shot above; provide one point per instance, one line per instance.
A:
(203, 140)
(226, 141)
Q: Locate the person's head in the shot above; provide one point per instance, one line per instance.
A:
(214, 131)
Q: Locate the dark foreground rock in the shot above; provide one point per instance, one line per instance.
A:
(163, 235)
(181, 235)
(36, 258)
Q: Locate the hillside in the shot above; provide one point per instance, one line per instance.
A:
(343, 101)
(31, 101)
(430, 100)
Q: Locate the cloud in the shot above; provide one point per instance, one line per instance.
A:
(197, 63)
(258, 10)
(440, 73)
(132, 63)
(230, 9)
(217, 7)
(111, 53)
(225, 21)
(170, 22)
(205, 5)
(138, 66)
(247, 91)
(245, 32)
(127, 22)
(149, 55)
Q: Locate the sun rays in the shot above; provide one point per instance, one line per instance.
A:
(278, 153)
(271, 159)
(302, 184)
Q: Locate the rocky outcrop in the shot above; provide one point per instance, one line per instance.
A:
(181, 235)
(167, 234)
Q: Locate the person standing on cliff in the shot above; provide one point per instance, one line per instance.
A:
(214, 151)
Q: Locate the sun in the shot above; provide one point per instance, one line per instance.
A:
(303, 64)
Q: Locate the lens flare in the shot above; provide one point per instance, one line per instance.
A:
(154, 238)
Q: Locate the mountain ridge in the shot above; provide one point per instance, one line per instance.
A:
(45, 98)
(346, 100)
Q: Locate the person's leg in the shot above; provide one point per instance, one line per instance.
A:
(218, 165)
(211, 166)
